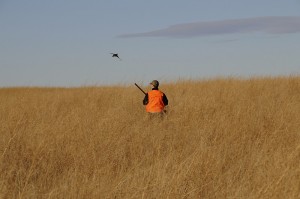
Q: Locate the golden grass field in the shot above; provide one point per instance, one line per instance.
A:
(221, 138)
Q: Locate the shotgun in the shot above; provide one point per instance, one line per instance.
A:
(140, 88)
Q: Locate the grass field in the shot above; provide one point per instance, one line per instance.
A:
(221, 138)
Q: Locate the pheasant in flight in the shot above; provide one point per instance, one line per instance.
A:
(115, 55)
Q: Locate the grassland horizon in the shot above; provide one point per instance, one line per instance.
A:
(220, 138)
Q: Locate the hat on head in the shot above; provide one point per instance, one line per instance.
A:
(155, 83)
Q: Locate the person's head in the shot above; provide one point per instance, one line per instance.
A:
(155, 83)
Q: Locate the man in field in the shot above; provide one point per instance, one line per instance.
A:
(155, 100)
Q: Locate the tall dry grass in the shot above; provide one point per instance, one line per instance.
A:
(221, 138)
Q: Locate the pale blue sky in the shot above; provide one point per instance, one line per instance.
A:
(68, 42)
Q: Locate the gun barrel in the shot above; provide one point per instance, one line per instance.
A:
(140, 88)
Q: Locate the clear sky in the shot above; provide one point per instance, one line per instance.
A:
(68, 42)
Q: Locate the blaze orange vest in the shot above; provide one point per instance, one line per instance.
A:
(155, 101)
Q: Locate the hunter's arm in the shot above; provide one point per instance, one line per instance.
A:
(165, 100)
(145, 101)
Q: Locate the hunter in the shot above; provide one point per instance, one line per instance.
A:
(155, 100)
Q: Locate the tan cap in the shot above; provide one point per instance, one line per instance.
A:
(155, 83)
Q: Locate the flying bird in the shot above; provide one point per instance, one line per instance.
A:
(115, 55)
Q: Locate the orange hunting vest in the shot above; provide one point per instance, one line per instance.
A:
(155, 101)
